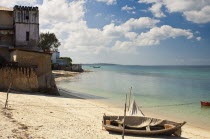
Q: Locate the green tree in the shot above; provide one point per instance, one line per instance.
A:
(48, 41)
(70, 60)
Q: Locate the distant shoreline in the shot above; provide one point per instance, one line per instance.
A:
(110, 64)
(62, 74)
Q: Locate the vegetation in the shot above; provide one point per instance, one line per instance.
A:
(48, 41)
(70, 60)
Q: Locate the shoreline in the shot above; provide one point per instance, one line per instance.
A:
(145, 110)
(37, 115)
(149, 112)
(62, 74)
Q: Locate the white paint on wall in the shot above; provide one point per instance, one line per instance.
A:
(26, 20)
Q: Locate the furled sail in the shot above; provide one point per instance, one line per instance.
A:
(134, 110)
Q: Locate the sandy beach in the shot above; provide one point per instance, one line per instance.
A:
(50, 117)
(40, 116)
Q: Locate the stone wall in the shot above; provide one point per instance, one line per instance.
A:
(6, 19)
(42, 62)
(32, 58)
(4, 55)
(22, 78)
(6, 28)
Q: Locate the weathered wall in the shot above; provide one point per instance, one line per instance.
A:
(28, 58)
(6, 28)
(42, 62)
(6, 37)
(20, 33)
(26, 19)
(4, 54)
(22, 78)
(6, 19)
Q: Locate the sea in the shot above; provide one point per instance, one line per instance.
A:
(171, 91)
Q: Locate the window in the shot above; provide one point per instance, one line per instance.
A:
(27, 36)
(27, 15)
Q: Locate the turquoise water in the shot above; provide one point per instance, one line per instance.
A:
(172, 91)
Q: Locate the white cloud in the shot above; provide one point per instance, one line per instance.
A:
(198, 38)
(128, 9)
(75, 35)
(108, 2)
(202, 16)
(74, 11)
(12, 3)
(156, 10)
(197, 11)
(132, 24)
(133, 12)
(153, 37)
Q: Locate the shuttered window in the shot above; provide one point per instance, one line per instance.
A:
(27, 36)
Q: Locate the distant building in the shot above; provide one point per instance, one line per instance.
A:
(55, 56)
(19, 28)
(63, 61)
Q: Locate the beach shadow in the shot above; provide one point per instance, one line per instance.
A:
(79, 95)
(64, 93)
(138, 136)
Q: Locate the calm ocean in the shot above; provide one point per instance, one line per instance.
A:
(173, 91)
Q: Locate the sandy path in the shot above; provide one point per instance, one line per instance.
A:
(47, 117)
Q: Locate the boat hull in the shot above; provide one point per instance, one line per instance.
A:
(175, 130)
(203, 103)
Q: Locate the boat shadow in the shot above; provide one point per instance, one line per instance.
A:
(205, 107)
(149, 137)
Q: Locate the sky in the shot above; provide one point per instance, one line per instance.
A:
(130, 32)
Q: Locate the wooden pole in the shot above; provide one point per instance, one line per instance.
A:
(6, 103)
(123, 133)
(129, 99)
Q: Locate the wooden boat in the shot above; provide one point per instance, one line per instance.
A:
(203, 103)
(144, 126)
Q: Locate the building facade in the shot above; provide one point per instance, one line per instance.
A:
(26, 26)
(19, 28)
(6, 27)
(22, 64)
(55, 56)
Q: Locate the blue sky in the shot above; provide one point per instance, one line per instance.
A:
(138, 32)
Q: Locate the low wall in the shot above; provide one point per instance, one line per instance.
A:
(22, 78)
(26, 79)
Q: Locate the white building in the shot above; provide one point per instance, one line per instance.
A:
(19, 27)
(55, 56)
